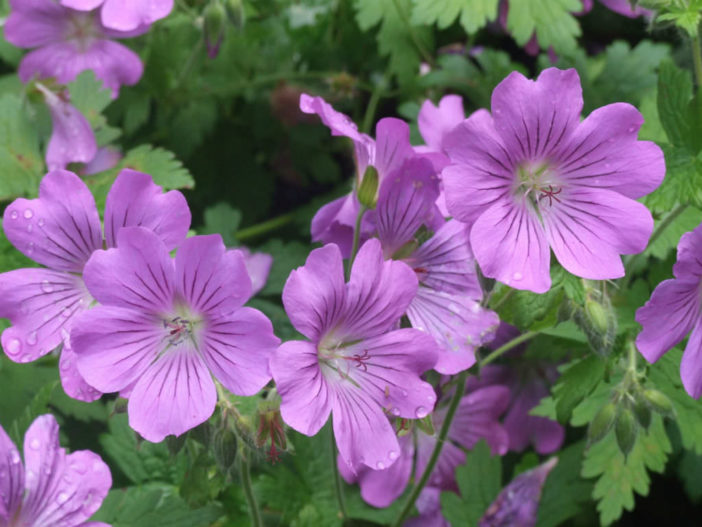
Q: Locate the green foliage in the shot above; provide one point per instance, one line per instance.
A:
(528, 310)
(472, 14)
(685, 15)
(578, 379)
(551, 20)
(222, 219)
(668, 240)
(479, 482)
(89, 96)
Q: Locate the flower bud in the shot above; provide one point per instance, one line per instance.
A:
(602, 422)
(658, 401)
(215, 17)
(270, 427)
(235, 12)
(625, 431)
(224, 446)
(597, 315)
(368, 190)
(642, 411)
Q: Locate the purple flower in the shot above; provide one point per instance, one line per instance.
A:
(674, 310)
(624, 7)
(105, 159)
(334, 222)
(429, 507)
(72, 138)
(355, 366)
(436, 121)
(258, 265)
(52, 488)
(165, 327)
(69, 42)
(476, 419)
(125, 15)
(60, 230)
(518, 503)
(531, 175)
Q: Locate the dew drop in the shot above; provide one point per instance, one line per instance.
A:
(30, 247)
(13, 347)
(30, 227)
(517, 276)
(41, 222)
(14, 457)
(46, 286)
(404, 393)
(28, 213)
(65, 335)
(62, 498)
(421, 412)
(32, 338)
(632, 129)
(431, 398)
(392, 455)
(395, 411)
(65, 364)
(66, 312)
(380, 465)
(80, 468)
(34, 444)
(14, 214)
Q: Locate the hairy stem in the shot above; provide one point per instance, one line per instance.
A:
(443, 433)
(508, 346)
(338, 486)
(245, 474)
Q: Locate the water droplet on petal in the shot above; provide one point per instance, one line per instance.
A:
(66, 312)
(14, 457)
(28, 213)
(380, 465)
(41, 222)
(32, 338)
(517, 276)
(14, 214)
(393, 455)
(421, 412)
(632, 129)
(395, 411)
(46, 286)
(62, 498)
(30, 227)
(404, 393)
(34, 444)
(30, 247)
(13, 347)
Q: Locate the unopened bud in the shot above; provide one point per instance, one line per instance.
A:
(597, 315)
(642, 411)
(224, 447)
(215, 17)
(602, 422)
(270, 428)
(235, 12)
(368, 190)
(658, 401)
(625, 431)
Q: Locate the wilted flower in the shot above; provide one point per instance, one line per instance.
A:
(531, 175)
(69, 42)
(674, 310)
(125, 15)
(356, 366)
(52, 488)
(164, 328)
(61, 230)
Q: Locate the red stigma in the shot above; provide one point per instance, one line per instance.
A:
(550, 194)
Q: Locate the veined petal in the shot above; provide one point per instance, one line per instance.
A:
(135, 200)
(237, 349)
(458, 324)
(436, 121)
(314, 294)
(211, 279)
(61, 229)
(669, 315)
(337, 122)
(175, 393)
(603, 153)
(126, 15)
(71, 380)
(689, 264)
(12, 482)
(405, 203)
(589, 228)
(534, 117)
(34, 23)
(307, 399)
(42, 306)
(477, 418)
(392, 146)
(524, 429)
(114, 346)
(510, 245)
(691, 363)
(377, 294)
(138, 274)
(444, 474)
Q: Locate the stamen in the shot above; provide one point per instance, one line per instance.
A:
(550, 194)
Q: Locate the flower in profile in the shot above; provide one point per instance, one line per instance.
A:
(69, 42)
(356, 365)
(72, 138)
(164, 328)
(531, 175)
(334, 222)
(518, 503)
(52, 487)
(476, 418)
(674, 310)
(125, 15)
(60, 230)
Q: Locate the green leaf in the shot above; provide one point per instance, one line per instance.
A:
(286, 257)
(38, 406)
(479, 482)
(21, 383)
(685, 15)
(21, 161)
(690, 472)
(577, 381)
(474, 14)
(222, 219)
(682, 183)
(527, 310)
(670, 237)
(680, 113)
(551, 20)
(619, 478)
(397, 38)
(91, 98)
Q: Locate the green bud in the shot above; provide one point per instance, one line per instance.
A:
(625, 431)
(658, 401)
(597, 316)
(602, 422)
(368, 190)
(402, 427)
(215, 17)
(642, 411)
(223, 446)
(235, 12)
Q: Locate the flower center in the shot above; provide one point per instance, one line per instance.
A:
(82, 28)
(180, 328)
(538, 182)
(335, 356)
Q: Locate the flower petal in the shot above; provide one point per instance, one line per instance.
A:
(435, 122)
(175, 394)
(589, 228)
(211, 279)
(126, 15)
(603, 153)
(392, 147)
(237, 350)
(34, 23)
(82, 5)
(669, 315)
(477, 418)
(61, 229)
(258, 266)
(534, 117)
(307, 400)
(314, 294)
(71, 380)
(510, 246)
(691, 363)
(135, 200)
(12, 482)
(138, 274)
(444, 474)
(42, 306)
(689, 263)
(114, 346)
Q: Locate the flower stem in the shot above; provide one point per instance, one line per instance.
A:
(443, 433)
(356, 239)
(697, 58)
(263, 227)
(337, 478)
(508, 346)
(245, 474)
